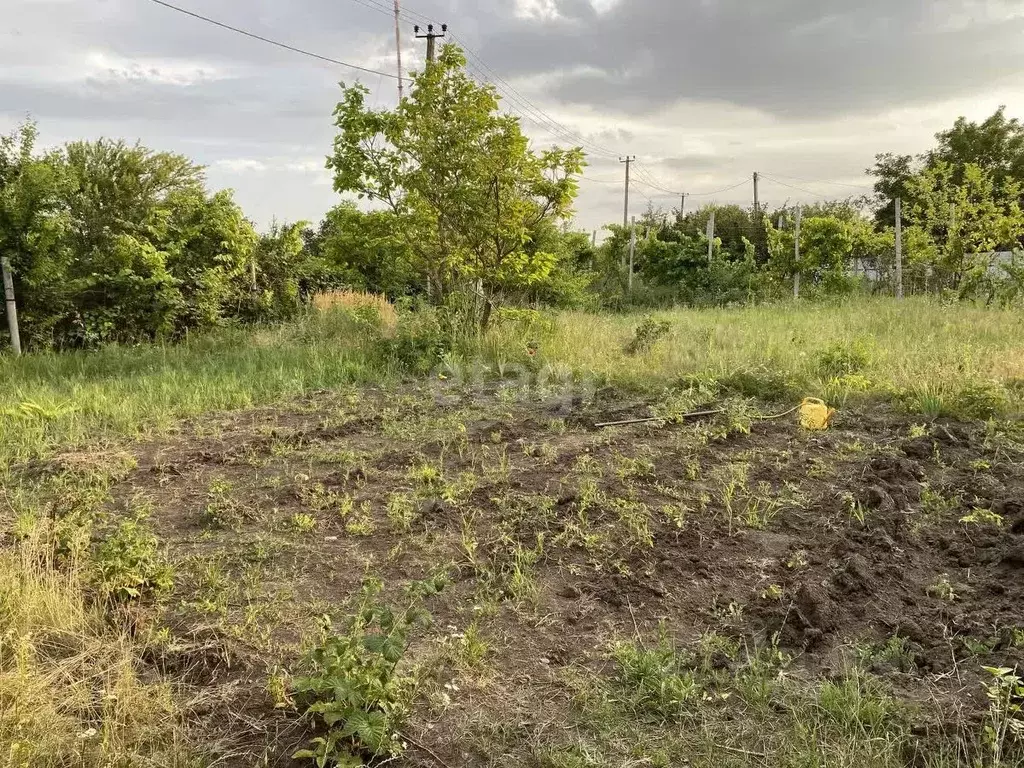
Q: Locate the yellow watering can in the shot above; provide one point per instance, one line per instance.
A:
(815, 414)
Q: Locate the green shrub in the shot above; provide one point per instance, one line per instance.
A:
(841, 359)
(978, 400)
(352, 687)
(762, 383)
(418, 342)
(648, 333)
(128, 564)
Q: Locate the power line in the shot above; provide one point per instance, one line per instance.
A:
(718, 191)
(645, 173)
(277, 43)
(534, 113)
(372, 7)
(514, 95)
(790, 186)
(406, 12)
(824, 181)
(525, 110)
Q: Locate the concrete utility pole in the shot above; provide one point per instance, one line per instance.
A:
(431, 36)
(711, 236)
(398, 49)
(625, 212)
(632, 251)
(757, 200)
(12, 306)
(796, 253)
(899, 249)
(682, 204)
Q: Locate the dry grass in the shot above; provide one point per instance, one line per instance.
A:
(354, 300)
(70, 691)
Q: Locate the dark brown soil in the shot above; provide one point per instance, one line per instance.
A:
(836, 541)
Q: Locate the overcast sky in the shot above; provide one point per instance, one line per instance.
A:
(703, 92)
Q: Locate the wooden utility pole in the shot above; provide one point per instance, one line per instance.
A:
(398, 49)
(11, 306)
(796, 253)
(899, 249)
(625, 208)
(757, 200)
(431, 37)
(711, 236)
(632, 252)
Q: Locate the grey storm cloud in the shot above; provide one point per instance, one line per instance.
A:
(701, 90)
(791, 58)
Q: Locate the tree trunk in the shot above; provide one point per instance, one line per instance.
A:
(485, 315)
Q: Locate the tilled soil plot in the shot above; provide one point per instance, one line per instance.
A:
(885, 541)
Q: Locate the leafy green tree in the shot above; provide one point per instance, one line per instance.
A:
(733, 226)
(115, 242)
(460, 179)
(827, 246)
(120, 206)
(32, 226)
(996, 145)
(364, 250)
(571, 282)
(209, 246)
(281, 274)
(968, 211)
(892, 173)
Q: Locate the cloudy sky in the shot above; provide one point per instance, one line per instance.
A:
(703, 92)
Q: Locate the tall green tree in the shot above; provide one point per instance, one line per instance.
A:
(33, 225)
(115, 242)
(969, 213)
(460, 179)
(994, 145)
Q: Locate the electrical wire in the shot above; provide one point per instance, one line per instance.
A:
(815, 195)
(373, 7)
(545, 118)
(524, 109)
(403, 11)
(652, 180)
(718, 191)
(533, 113)
(268, 40)
(823, 181)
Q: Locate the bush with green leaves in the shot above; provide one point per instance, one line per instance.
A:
(842, 359)
(352, 688)
(648, 333)
(978, 400)
(128, 564)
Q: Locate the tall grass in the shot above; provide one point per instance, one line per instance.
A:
(70, 690)
(52, 400)
(918, 343)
